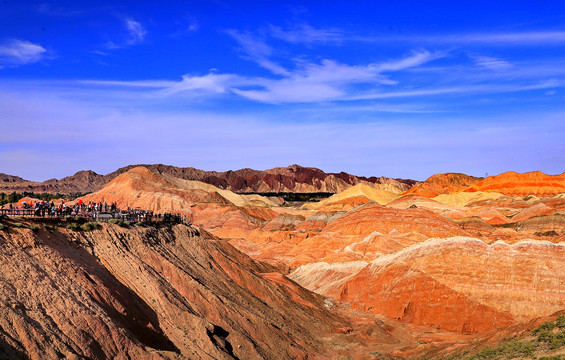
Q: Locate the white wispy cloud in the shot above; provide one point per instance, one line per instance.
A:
(136, 31)
(257, 50)
(535, 38)
(491, 63)
(20, 52)
(331, 80)
(209, 83)
(136, 34)
(468, 89)
(415, 59)
(307, 34)
(328, 80)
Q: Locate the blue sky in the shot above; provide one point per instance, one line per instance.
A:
(383, 88)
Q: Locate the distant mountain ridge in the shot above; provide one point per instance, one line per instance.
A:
(294, 178)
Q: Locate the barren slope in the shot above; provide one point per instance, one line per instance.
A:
(148, 293)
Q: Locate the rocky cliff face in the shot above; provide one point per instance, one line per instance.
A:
(149, 293)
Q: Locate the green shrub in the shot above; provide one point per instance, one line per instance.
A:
(2, 227)
(116, 221)
(560, 322)
(139, 223)
(515, 349)
(34, 228)
(546, 326)
(93, 225)
(49, 227)
(486, 353)
(73, 226)
(558, 341)
(86, 227)
(18, 224)
(506, 350)
(126, 223)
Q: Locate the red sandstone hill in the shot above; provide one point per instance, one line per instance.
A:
(462, 284)
(443, 184)
(516, 184)
(294, 178)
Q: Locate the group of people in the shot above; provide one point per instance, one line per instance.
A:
(95, 210)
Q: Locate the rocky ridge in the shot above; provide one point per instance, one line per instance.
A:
(294, 178)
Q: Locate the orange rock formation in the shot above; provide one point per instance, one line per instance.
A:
(516, 184)
(462, 284)
(443, 184)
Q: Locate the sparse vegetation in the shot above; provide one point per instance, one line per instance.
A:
(507, 350)
(73, 226)
(18, 224)
(549, 336)
(119, 222)
(35, 228)
(92, 225)
(555, 357)
(139, 223)
(552, 333)
(560, 322)
(2, 227)
(49, 227)
(115, 221)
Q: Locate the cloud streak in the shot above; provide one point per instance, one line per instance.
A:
(536, 38)
(136, 34)
(491, 63)
(20, 52)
